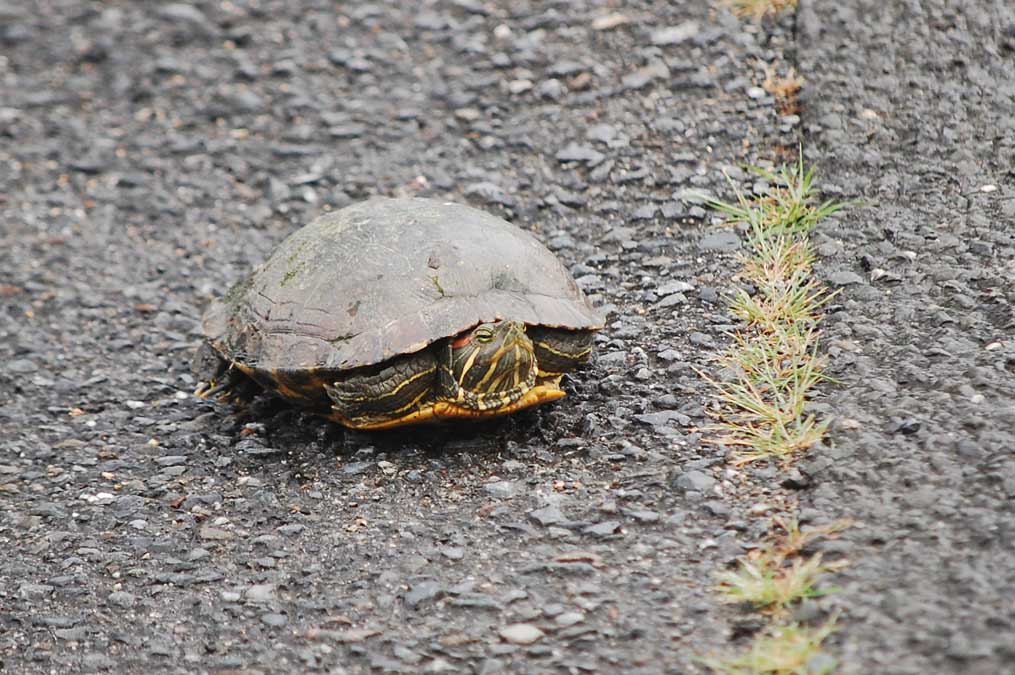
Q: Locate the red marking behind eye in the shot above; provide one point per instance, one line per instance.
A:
(462, 341)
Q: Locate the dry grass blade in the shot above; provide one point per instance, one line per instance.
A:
(795, 540)
(776, 258)
(784, 89)
(757, 9)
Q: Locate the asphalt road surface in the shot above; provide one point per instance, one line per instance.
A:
(152, 153)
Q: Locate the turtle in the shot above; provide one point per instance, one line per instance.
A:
(397, 311)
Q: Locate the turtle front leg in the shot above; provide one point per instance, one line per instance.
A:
(373, 399)
(221, 380)
(559, 351)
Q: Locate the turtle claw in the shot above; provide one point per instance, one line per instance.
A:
(222, 381)
(233, 386)
(208, 390)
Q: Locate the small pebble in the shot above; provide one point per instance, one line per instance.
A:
(521, 633)
(569, 619)
(122, 599)
(274, 620)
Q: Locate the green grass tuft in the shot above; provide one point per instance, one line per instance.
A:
(790, 208)
(782, 650)
(777, 575)
(769, 585)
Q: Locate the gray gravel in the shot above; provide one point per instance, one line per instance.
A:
(149, 155)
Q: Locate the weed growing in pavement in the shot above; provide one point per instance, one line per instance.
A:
(767, 378)
(767, 585)
(777, 575)
(788, 209)
(781, 650)
(772, 578)
(766, 397)
(775, 363)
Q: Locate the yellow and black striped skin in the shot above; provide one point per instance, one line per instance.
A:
(399, 387)
(493, 369)
(559, 351)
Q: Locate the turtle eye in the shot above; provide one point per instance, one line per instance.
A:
(483, 334)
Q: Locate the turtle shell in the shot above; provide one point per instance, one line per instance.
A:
(386, 277)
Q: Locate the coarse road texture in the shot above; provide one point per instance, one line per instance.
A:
(921, 128)
(151, 153)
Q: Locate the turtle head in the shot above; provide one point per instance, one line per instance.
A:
(493, 365)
